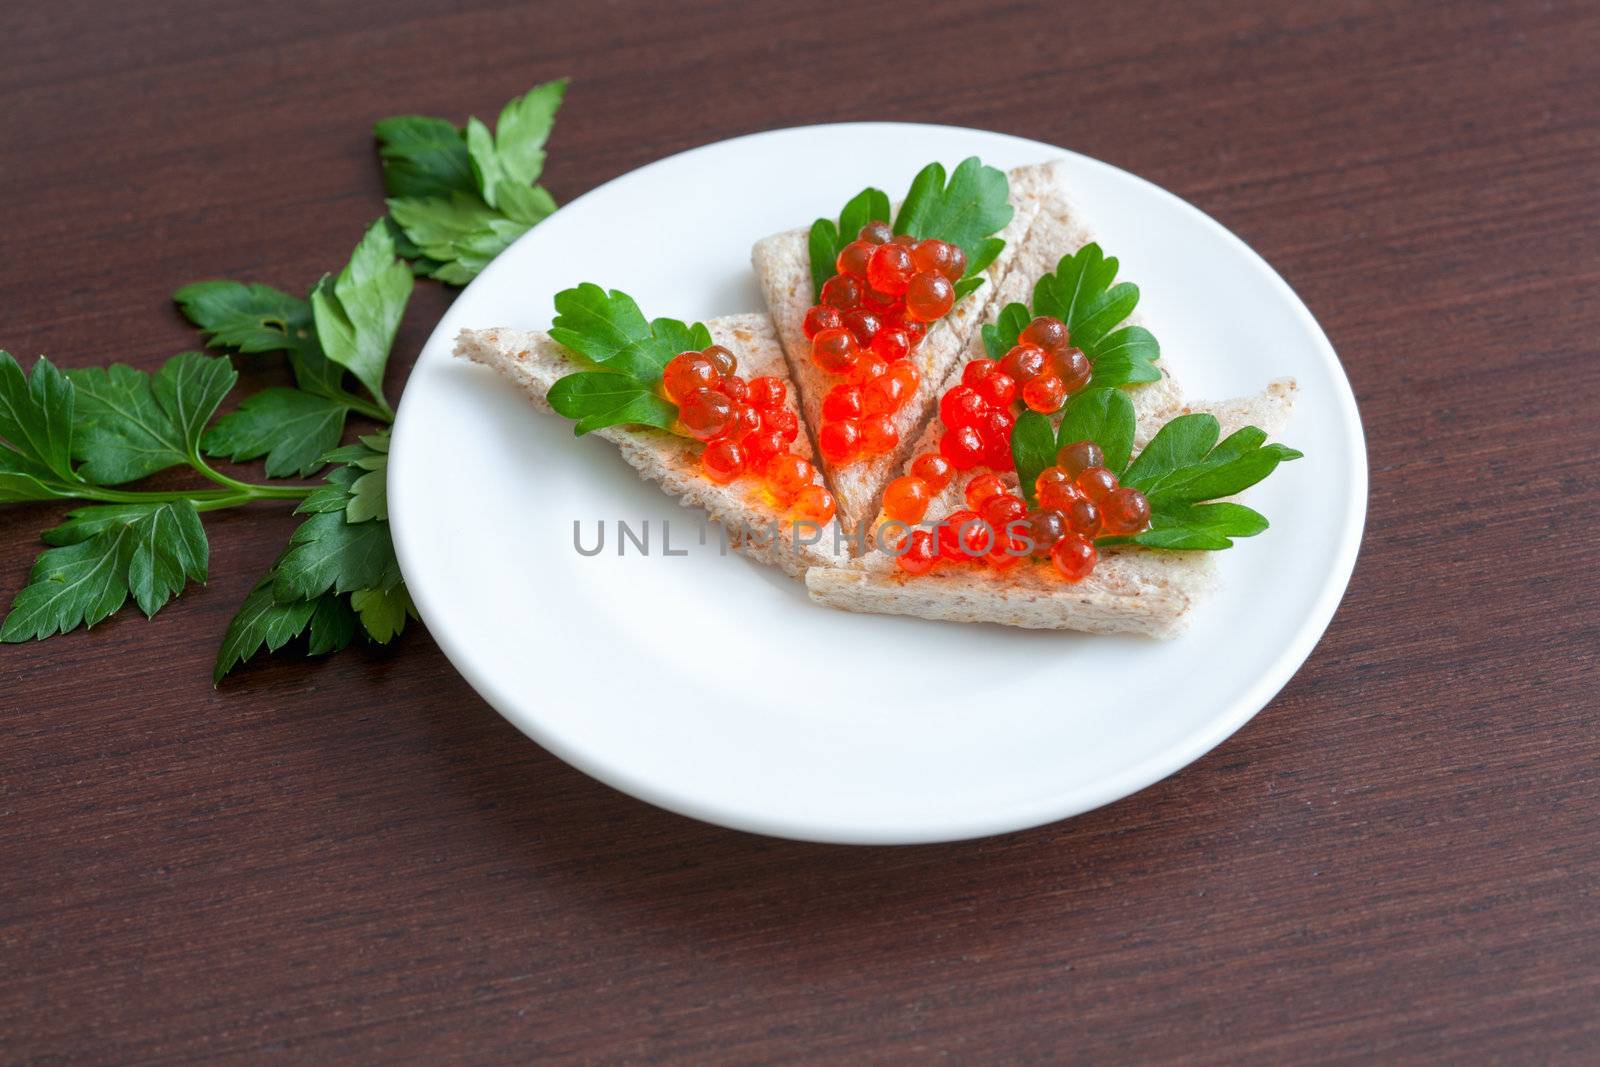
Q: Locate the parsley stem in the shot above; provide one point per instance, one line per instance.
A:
(204, 499)
(379, 412)
(231, 501)
(255, 491)
(143, 496)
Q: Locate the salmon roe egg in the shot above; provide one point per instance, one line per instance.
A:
(843, 401)
(1045, 394)
(835, 350)
(788, 473)
(981, 488)
(814, 504)
(1024, 362)
(822, 317)
(889, 270)
(853, 258)
(722, 359)
(933, 469)
(1079, 456)
(929, 296)
(686, 372)
(1045, 332)
(906, 499)
(1074, 557)
(1124, 511)
(706, 413)
(878, 435)
(876, 232)
(723, 460)
(918, 553)
(839, 441)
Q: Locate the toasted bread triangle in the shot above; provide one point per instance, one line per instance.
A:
(783, 267)
(534, 362)
(1131, 591)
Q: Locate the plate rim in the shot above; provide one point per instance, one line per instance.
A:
(1073, 799)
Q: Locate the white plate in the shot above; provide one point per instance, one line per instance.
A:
(711, 686)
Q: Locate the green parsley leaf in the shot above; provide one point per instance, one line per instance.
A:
(333, 625)
(169, 546)
(485, 164)
(967, 211)
(246, 318)
(1033, 448)
(609, 329)
(327, 552)
(1081, 294)
(523, 128)
(345, 544)
(291, 427)
(78, 585)
(1210, 527)
(262, 621)
(383, 612)
(1183, 466)
(83, 523)
(1000, 336)
(602, 398)
(259, 318)
(828, 238)
(457, 235)
(36, 427)
(358, 314)
(1102, 415)
(1184, 463)
(369, 493)
(460, 197)
(20, 481)
(131, 424)
(105, 553)
(422, 157)
(524, 205)
(332, 495)
(1105, 416)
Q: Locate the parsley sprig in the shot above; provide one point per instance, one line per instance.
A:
(459, 196)
(1084, 294)
(338, 571)
(966, 209)
(347, 323)
(629, 354)
(85, 434)
(1183, 471)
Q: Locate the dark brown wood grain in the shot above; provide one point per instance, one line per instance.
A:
(356, 860)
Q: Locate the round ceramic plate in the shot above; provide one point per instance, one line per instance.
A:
(712, 686)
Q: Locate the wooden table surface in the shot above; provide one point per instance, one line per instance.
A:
(356, 860)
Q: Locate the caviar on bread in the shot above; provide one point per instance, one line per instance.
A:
(1043, 432)
(881, 285)
(669, 374)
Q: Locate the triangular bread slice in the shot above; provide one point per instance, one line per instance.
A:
(534, 362)
(783, 267)
(1131, 591)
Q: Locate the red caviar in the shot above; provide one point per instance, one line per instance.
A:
(686, 372)
(1078, 497)
(906, 499)
(747, 427)
(869, 318)
(918, 554)
(933, 469)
